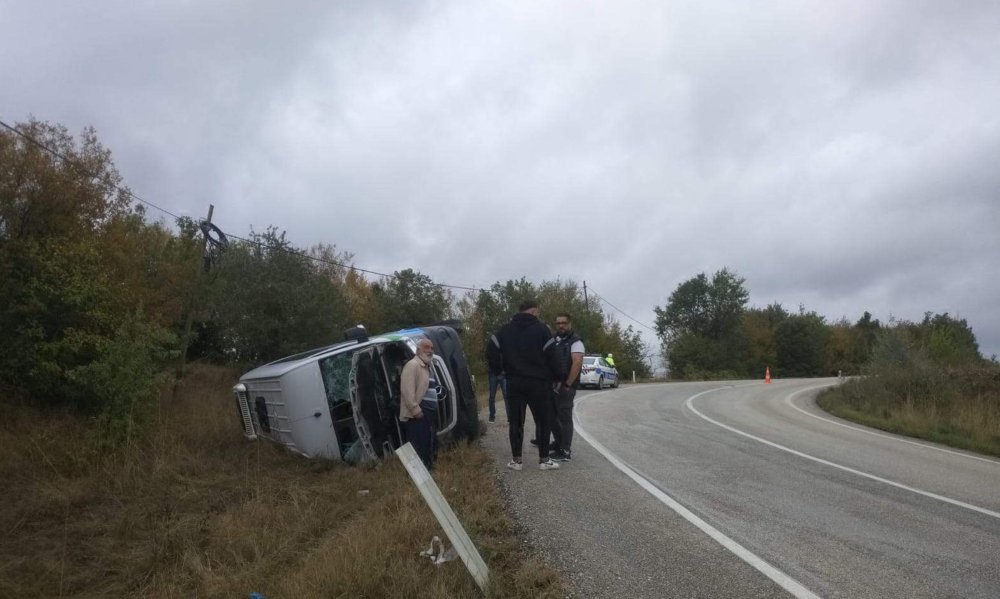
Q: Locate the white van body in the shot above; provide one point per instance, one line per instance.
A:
(341, 402)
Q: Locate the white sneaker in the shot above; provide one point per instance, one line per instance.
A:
(548, 464)
(514, 465)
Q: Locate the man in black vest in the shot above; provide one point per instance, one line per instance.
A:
(523, 350)
(569, 348)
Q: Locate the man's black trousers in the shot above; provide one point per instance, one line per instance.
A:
(560, 419)
(562, 424)
(533, 394)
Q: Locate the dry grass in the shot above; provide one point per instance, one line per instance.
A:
(959, 407)
(195, 510)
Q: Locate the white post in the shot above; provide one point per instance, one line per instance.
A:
(444, 514)
(633, 376)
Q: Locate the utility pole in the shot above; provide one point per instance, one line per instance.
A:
(193, 296)
(586, 302)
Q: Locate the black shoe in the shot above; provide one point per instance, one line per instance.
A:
(562, 456)
(534, 442)
(493, 418)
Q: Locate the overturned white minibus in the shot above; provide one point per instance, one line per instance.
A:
(341, 402)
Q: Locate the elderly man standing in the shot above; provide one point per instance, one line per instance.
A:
(418, 390)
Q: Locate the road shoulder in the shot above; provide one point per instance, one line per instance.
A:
(609, 538)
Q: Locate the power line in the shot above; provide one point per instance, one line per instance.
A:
(343, 265)
(132, 195)
(603, 299)
(128, 192)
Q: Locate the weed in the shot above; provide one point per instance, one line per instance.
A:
(189, 508)
(955, 406)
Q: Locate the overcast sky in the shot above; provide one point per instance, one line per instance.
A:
(843, 156)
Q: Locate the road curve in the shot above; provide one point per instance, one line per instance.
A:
(740, 489)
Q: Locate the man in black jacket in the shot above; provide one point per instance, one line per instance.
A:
(523, 351)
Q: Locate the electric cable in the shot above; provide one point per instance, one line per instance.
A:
(622, 312)
(132, 195)
(343, 265)
(128, 192)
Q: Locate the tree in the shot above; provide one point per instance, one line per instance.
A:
(43, 197)
(759, 328)
(949, 341)
(693, 357)
(360, 297)
(702, 320)
(687, 310)
(410, 298)
(83, 323)
(841, 348)
(866, 334)
(629, 350)
(270, 300)
(486, 310)
(708, 308)
(802, 341)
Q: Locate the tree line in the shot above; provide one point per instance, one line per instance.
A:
(707, 330)
(97, 299)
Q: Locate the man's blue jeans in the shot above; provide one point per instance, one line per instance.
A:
(500, 382)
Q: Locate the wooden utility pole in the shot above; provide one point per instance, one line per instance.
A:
(193, 295)
(586, 302)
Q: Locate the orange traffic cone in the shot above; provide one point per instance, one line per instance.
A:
(767, 375)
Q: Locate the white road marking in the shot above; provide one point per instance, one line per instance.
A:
(690, 404)
(780, 578)
(788, 400)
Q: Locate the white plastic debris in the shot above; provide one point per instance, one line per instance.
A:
(437, 552)
(429, 552)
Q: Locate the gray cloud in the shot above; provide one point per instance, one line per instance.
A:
(839, 156)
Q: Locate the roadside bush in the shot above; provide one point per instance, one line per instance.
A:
(68, 340)
(121, 383)
(693, 373)
(905, 390)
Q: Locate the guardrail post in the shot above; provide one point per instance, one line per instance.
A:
(445, 515)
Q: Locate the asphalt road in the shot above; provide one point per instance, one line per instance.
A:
(742, 489)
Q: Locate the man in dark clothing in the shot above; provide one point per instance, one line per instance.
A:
(523, 350)
(569, 348)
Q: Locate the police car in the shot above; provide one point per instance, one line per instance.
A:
(596, 372)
